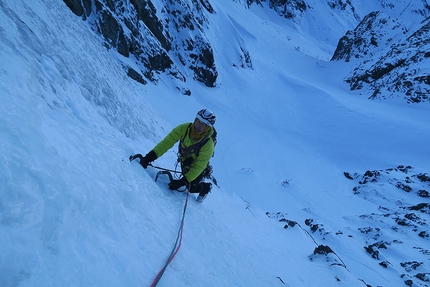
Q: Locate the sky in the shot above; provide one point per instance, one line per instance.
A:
(74, 211)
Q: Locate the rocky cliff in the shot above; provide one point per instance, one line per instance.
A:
(167, 38)
(392, 57)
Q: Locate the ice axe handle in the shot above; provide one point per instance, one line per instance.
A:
(164, 172)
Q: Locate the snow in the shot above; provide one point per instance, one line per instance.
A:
(75, 212)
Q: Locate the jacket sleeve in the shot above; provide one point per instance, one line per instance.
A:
(169, 141)
(201, 161)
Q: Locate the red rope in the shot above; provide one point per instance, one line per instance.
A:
(175, 249)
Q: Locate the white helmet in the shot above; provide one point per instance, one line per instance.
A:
(206, 116)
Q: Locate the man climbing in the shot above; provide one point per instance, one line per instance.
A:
(196, 147)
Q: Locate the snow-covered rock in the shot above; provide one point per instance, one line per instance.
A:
(393, 57)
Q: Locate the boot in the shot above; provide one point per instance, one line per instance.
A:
(204, 189)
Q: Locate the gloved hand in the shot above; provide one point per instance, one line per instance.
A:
(148, 158)
(175, 184)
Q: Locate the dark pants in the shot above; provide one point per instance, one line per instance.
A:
(200, 187)
(196, 185)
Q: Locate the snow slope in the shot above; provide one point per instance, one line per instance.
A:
(75, 212)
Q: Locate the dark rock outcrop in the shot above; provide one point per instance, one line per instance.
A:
(290, 9)
(158, 42)
(390, 58)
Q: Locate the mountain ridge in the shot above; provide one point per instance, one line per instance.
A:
(169, 39)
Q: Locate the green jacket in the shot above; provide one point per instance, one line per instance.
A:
(200, 162)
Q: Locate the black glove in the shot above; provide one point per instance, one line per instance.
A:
(176, 184)
(148, 158)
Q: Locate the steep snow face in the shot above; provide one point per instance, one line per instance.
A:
(318, 185)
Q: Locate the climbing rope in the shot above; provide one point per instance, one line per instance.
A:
(178, 242)
(176, 248)
(343, 263)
